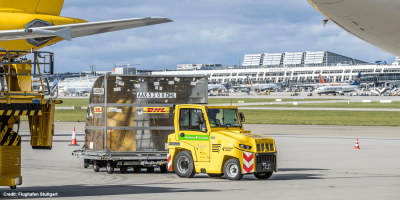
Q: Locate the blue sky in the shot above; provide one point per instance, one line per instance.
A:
(203, 31)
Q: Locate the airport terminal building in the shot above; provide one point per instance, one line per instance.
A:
(300, 68)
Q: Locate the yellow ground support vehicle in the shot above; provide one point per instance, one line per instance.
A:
(212, 140)
(18, 99)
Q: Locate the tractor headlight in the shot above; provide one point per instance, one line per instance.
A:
(244, 146)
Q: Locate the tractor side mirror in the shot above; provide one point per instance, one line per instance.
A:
(242, 118)
(199, 118)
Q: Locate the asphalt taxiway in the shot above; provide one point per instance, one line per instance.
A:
(315, 162)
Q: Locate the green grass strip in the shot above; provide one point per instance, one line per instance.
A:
(260, 100)
(77, 102)
(394, 104)
(320, 117)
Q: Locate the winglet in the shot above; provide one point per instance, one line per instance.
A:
(64, 33)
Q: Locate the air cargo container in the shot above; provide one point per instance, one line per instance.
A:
(129, 118)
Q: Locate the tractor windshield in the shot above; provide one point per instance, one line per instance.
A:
(223, 118)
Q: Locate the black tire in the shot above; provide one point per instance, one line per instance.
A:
(215, 175)
(86, 163)
(263, 175)
(184, 165)
(137, 168)
(232, 169)
(150, 169)
(13, 187)
(110, 167)
(123, 169)
(96, 167)
(163, 169)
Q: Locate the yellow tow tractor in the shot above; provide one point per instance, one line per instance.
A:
(212, 140)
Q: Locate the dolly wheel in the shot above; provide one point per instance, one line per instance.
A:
(137, 168)
(86, 163)
(150, 169)
(123, 169)
(110, 167)
(263, 175)
(96, 167)
(13, 187)
(163, 169)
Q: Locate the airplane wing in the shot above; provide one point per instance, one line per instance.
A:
(69, 31)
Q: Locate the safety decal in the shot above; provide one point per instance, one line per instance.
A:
(20, 109)
(155, 109)
(169, 162)
(8, 137)
(216, 148)
(248, 162)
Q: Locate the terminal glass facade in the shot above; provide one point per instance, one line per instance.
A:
(299, 59)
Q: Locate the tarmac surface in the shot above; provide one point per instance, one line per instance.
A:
(315, 162)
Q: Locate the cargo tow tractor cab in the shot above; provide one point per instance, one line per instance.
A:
(212, 140)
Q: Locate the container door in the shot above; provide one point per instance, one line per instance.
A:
(194, 133)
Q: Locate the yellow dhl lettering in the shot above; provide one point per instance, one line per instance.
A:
(98, 109)
(155, 109)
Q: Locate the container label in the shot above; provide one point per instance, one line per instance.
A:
(195, 137)
(155, 95)
(98, 90)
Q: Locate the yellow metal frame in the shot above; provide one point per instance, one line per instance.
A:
(41, 120)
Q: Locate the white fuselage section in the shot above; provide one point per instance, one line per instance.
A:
(216, 87)
(374, 21)
(262, 86)
(336, 89)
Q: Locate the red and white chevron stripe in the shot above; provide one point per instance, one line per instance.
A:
(169, 162)
(248, 162)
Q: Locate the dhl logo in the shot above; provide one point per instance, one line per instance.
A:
(156, 110)
(98, 109)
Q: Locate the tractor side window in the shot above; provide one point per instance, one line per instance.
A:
(187, 119)
(184, 119)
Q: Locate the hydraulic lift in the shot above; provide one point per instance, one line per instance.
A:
(19, 99)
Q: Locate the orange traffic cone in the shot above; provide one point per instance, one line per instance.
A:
(73, 140)
(357, 147)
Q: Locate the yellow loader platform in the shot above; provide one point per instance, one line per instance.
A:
(18, 100)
